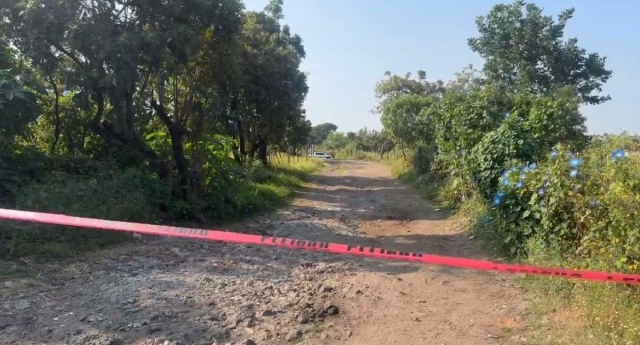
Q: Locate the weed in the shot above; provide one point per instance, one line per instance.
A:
(131, 195)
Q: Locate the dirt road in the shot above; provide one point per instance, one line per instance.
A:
(174, 291)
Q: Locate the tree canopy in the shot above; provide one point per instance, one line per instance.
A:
(172, 87)
(192, 92)
(524, 49)
(319, 133)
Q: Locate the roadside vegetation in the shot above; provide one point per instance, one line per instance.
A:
(173, 111)
(192, 111)
(508, 148)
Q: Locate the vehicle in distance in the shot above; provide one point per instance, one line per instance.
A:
(320, 154)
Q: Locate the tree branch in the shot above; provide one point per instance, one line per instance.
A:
(105, 130)
(66, 52)
(162, 114)
(56, 111)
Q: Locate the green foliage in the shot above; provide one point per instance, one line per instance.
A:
(580, 210)
(145, 111)
(482, 143)
(256, 172)
(422, 158)
(319, 133)
(352, 144)
(401, 117)
(298, 134)
(335, 141)
(18, 107)
(395, 86)
(478, 133)
(524, 49)
(127, 196)
(89, 188)
(74, 137)
(489, 157)
(272, 94)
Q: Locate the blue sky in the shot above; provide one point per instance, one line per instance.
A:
(351, 43)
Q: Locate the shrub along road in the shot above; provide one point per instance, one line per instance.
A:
(176, 291)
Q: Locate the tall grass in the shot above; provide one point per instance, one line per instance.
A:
(278, 182)
(131, 195)
(398, 161)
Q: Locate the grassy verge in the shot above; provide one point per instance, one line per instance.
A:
(576, 312)
(278, 182)
(395, 159)
(131, 195)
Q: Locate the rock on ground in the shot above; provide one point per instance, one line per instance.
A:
(168, 291)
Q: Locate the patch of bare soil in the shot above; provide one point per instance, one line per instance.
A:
(173, 291)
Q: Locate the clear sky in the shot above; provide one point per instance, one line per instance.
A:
(351, 43)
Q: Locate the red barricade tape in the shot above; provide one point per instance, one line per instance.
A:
(338, 248)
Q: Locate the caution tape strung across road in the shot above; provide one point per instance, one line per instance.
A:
(338, 248)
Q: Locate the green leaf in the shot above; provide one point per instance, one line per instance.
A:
(526, 214)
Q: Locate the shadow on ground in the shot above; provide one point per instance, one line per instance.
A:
(169, 281)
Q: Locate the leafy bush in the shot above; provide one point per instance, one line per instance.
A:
(478, 133)
(18, 107)
(586, 204)
(543, 192)
(488, 158)
(80, 186)
(423, 156)
(587, 217)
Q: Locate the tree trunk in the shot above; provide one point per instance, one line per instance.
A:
(241, 142)
(177, 149)
(260, 147)
(404, 155)
(238, 148)
(56, 112)
(237, 124)
(176, 132)
(236, 154)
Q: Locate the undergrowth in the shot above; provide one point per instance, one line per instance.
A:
(128, 195)
(571, 210)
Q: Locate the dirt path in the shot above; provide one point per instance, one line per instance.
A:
(173, 291)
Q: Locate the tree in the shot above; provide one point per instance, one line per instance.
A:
(140, 64)
(402, 118)
(320, 132)
(395, 86)
(272, 88)
(467, 80)
(335, 141)
(524, 49)
(150, 87)
(161, 78)
(297, 134)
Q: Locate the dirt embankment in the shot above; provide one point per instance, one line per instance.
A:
(176, 291)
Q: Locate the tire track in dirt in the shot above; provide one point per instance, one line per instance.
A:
(404, 303)
(174, 291)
